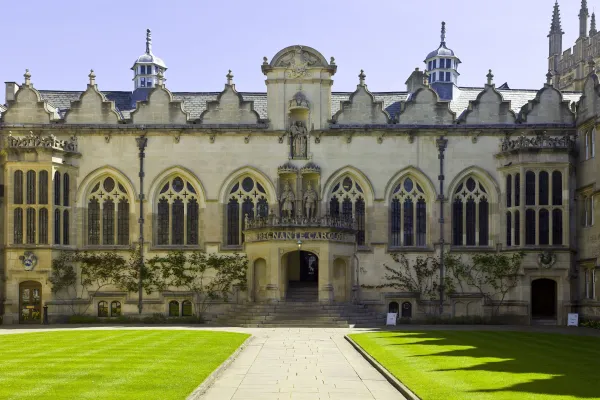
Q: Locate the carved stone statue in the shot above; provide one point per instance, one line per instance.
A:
(310, 202)
(287, 199)
(298, 139)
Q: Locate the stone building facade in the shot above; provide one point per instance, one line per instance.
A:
(316, 187)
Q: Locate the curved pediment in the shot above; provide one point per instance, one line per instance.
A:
(488, 108)
(548, 107)
(425, 108)
(160, 108)
(361, 108)
(588, 104)
(92, 108)
(28, 107)
(298, 59)
(229, 108)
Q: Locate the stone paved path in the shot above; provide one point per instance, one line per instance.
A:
(300, 363)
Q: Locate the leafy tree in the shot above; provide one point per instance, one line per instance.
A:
(210, 277)
(420, 277)
(73, 274)
(493, 275)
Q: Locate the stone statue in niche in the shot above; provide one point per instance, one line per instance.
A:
(287, 199)
(310, 202)
(298, 140)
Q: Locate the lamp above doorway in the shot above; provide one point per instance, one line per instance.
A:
(299, 244)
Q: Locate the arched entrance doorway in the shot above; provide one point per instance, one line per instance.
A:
(303, 276)
(543, 299)
(30, 302)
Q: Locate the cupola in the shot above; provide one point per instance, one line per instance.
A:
(147, 66)
(442, 68)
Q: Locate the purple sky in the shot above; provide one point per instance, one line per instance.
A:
(59, 41)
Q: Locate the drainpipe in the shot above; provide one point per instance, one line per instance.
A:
(441, 145)
(142, 142)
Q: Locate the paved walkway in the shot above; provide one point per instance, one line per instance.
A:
(288, 363)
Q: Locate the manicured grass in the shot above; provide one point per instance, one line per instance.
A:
(110, 364)
(476, 365)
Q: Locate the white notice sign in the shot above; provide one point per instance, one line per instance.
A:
(391, 319)
(573, 319)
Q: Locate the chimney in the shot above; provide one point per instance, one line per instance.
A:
(11, 89)
(415, 81)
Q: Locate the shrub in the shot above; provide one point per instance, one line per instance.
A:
(83, 319)
(590, 323)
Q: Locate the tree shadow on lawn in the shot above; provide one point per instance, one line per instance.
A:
(572, 361)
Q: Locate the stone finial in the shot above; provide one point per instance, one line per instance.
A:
(160, 78)
(27, 76)
(332, 61)
(148, 41)
(443, 36)
(549, 76)
(490, 78)
(361, 78)
(593, 29)
(265, 61)
(229, 77)
(92, 77)
(425, 78)
(555, 26)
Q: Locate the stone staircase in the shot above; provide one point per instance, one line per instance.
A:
(300, 310)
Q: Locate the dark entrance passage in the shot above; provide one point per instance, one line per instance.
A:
(303, 273)
(30, 302)
(543, 299)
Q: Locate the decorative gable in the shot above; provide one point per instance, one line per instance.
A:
(488, 108)
(28, 106)
(361, 108)
(425, 108)
(588, 105)
(160, 108)
(548, 107)
(229, 108)
(92, 107)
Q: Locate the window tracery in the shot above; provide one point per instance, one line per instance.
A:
(247, 197)
(177, 213)
(470, 214)
(408, 214)
(347, 201)
(30, 223)
(107, 213)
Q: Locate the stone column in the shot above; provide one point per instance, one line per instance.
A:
(325, 276)
(273, 275)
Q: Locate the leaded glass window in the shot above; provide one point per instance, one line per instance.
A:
(186, 308)
(530, 188)
(66, 189)
(470, 214)
(544, 188)
(108, 212)
(557, 227)
(247, 197)
(18, 187)
(509, 191)
(173, 308)
(115, 309)
(557, 188)
(177, 221)
(30, 239)
(350, 194)
(57, 226)
(57, 188)
(66, 227)
(517, 190)
(544, 221)
(103, 309)
(508, 229)
(31, 180)
(18, 226)
(43, 226)
(517, 228)
(530, 225)
(43, 187)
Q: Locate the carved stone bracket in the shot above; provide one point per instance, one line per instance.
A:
(211, 138)
(107, 137)
(380, 138)
(281, 137)
(475, 136)
(247, 138)
(318, 137)
(177, 137)
(348, 137)
(411, 136)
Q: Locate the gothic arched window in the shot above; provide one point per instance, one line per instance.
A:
(107, 213)
(177, 213)
(470, 214)
(248, 197)
(348, 201)
(408, 214)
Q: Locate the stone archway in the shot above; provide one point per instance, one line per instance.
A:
(543, 299)
(302, 274)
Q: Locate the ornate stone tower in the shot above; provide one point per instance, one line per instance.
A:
(146, 70)
(442, 68)
(555, 42)
(299, 88)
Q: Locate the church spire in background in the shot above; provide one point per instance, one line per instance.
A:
(555, 25)
(593, 29)
(584, 14)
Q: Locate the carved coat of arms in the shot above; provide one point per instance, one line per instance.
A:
(29, 260)
(298, 62)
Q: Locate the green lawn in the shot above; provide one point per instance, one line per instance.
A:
(444, 365)
(110, 364)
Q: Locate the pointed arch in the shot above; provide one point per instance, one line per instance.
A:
(481, 174)
(253, 172)
(160, 179)
(108, 170)
(355, 173)
(414, 172)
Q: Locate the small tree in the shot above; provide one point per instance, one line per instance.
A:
(420, 277)
(493, 275)
(210, 277)
(96, 271)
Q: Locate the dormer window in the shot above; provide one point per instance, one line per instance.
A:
(447, 76)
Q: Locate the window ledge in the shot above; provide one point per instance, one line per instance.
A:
(175, 247)
(232, 248)
(410, 249)
(105, 247)
(474, 248)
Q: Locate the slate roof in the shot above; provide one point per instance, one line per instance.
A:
(195, 102)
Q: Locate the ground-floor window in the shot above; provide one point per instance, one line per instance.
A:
(103, 309)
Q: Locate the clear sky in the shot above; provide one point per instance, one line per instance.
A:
(59, 41)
